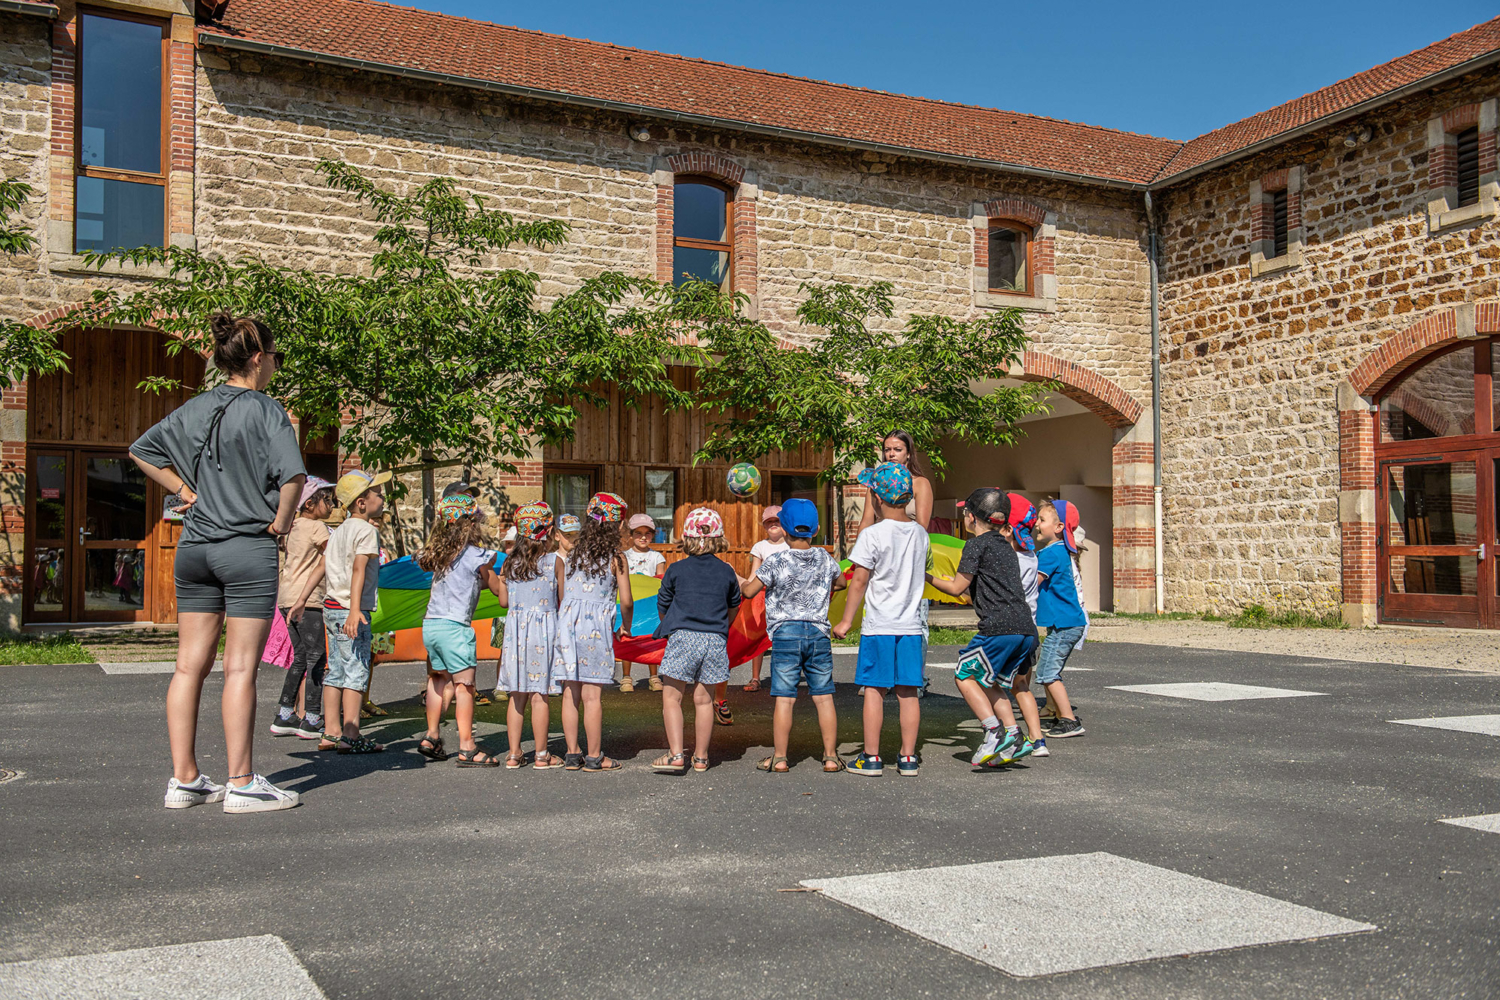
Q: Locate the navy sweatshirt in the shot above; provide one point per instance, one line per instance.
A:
(699, 593)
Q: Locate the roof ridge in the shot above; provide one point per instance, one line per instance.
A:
(769, 72)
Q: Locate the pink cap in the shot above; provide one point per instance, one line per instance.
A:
(641, 521)
(771, 513)
(311, 486)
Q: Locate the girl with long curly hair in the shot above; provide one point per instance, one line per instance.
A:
(531, 587)
(586, 628)
(459, 565)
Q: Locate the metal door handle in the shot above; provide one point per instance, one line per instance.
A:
(82, 534)
(1481, 552)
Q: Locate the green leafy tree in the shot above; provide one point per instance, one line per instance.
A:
(430, 351)
(25, 350)
(936, 378)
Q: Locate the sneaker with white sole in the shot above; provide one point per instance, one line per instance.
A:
(307, 729)
(989, 747)
(285, 727)
(1064, 728)
(259, 795)
(1039, 749)
(194, 793)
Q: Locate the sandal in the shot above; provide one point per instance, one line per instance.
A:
(431, 747)
(470, 758)
(545, 761)
(837, 762)
(328, 743)
(370, 710)
(601, 763)
(513, 761)
(670, 763)
(769, 764)
(700, 764)
(573, 762)
(754, 684)
(360, 745)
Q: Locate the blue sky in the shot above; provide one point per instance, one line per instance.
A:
(1169, 69)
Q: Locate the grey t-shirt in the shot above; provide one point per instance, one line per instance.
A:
(252, 454)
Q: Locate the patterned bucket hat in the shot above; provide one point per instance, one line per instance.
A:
(606, 508)
(702, 522)
(534, 521)
(457, 506)
(890, 481)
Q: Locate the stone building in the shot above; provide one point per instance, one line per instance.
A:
(1309, 261)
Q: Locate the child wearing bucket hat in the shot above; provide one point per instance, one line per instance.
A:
(642, 560)
(697, 603)
(300, 598)
(890, 560)
(532, 582)
(1058, 609)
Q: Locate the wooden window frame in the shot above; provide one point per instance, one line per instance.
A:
(113, 173)
(1471, 197)
(1027, 231)
(690, 243)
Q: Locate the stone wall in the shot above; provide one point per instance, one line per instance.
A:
(1251, 366)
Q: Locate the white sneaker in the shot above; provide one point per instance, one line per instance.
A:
(989, 747)
(259, 796)
(1041, 749)
(196, 792)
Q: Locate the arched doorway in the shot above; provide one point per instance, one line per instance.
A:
(1437, 472)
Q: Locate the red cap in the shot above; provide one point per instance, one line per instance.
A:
(1068, 514)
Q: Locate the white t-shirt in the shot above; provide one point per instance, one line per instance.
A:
(355, 537)
(646, 563)
(1029, 581)
(895, 553)
(763, 548)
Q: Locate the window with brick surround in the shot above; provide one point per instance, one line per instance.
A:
(121, 149)
(1009, 257)
(1462, 176)
(1276, 222)
(1466, 150)
(1014, 266)
(702, 231)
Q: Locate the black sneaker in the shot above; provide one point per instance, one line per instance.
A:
(309, 730)
(286, 727)
(1063, 728)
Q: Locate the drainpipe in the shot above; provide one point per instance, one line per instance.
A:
(1151, 253)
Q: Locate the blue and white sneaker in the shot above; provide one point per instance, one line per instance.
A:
(1039, 749)
(1009, 740)
(871, 767)
(907, 765)
(195, 793)
(259, 795)
(989, 747)
(1025, 749)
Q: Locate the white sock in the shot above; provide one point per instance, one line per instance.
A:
(991, 723)
(1012, 729)
(285, 713)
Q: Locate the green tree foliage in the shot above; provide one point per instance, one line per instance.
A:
(432, 350)
(25, 350)
(936, 378)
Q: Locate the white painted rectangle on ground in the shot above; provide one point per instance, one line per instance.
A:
(1489, 823)
(1101, 910)
(1215, 691)
(1485, 725)
(246, 968)
(148, 667)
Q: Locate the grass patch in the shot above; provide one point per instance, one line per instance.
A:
(55, 647)
(936, 636)
(1147, 616)
(1259, 616)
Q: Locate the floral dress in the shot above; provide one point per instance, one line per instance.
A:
(529, 652)
(586, 624)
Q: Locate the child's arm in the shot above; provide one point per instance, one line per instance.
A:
(857, 585)
(954, 587)
(627, 600)
(661, 567)
(356, 590)
(562, 579)
(493, 582)
(664, 597)
(295, 611)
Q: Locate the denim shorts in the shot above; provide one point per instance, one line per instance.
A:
(887, 661)
(452, 647)
(1056, 649)
(798, 649)
(995, 660)
(348, 659)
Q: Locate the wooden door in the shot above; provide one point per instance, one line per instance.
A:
(47, 592)
(1436, 536)
(114, 523)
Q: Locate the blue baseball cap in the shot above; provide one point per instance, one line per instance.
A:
(799, 518)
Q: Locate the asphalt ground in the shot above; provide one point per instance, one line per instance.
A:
(403, 878)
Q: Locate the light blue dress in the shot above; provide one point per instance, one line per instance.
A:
(529, 652)
(586, 625)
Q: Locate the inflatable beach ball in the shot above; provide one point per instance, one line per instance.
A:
(743, 480)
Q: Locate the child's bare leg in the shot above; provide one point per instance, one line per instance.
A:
(977, 698)
(333, 700)
(828, 723)
(703, 719)
(1029, 714)
(462, 684)
(436, 684)
(572, 696)
(781, 725)
(652, 668)
(874, 719)
(541, 718)
(353, 698)
(593, 718)
(911, 718)
(515, 718)
(721, 691)
(755, 668)
(671, 712)
(1058, 696)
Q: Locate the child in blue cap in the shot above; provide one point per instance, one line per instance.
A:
(1058, 609)
(890, 560)
(798, 582)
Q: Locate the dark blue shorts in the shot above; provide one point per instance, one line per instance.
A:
(995, 660)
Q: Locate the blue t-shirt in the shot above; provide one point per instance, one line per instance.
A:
(456, 592)
(1057, 604)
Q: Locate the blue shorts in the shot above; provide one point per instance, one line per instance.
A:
(887, 661)
(348, 659)
(798, 649)
(1056, 649)
(995, 660)
(451, 646)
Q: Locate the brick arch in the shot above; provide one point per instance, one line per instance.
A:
(1425, 337)
(1016, 209)
(708, 164)
(1100, 395)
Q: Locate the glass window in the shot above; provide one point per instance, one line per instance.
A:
(115, 501)
(51, 497)
(661, 502)
(1436, 400)
(120, 111)
(567, 492)
(1007, 249)
(1433, 503)
(50, 579)
(701, 246)
(115, 214)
